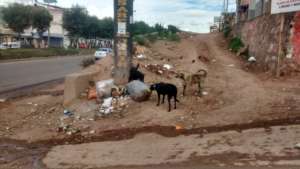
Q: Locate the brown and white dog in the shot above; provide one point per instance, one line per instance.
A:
(193, 79)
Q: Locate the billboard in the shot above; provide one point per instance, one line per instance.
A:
(284, 6)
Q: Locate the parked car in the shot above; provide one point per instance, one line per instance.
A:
(102, 53)
(12, 45)
(3, 46)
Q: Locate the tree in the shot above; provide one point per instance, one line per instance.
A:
(74, 21)
(92, 27)
(140, 28)
(106, 28)
(17, 17)
(173, 29)
(41, 19)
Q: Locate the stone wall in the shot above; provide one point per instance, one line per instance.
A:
(261, 34)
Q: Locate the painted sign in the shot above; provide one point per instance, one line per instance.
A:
(284, 6)
(122, 28)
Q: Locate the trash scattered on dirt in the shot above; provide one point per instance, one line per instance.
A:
(113, 105)
(106, 107)
(179, 127)
(160, 69)
(104, 87)
(92, 92)
(297, 146)
(167, 66)
(252, 59)
(204, 93)
(138, 91)
(68, 113)
(141, 56)
(2, 100)
(231, 65)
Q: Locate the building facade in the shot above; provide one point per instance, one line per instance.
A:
(56, 34)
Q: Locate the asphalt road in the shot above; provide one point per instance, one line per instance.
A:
(14, 75)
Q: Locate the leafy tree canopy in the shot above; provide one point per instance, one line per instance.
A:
(17, 17)
(41, 19)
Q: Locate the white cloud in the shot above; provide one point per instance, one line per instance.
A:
(189, 15)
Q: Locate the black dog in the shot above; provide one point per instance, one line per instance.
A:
(165, 89)
(135, 74)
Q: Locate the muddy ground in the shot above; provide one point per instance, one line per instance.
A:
(236, 100)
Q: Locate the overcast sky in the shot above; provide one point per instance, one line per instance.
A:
(189, 15)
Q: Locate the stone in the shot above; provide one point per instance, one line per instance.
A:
(76, 84)
(138, 91)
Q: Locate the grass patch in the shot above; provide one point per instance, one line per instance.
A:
(236, 44)
(146, 39)
(32, 53)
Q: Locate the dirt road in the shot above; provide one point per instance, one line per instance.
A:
(245, 120)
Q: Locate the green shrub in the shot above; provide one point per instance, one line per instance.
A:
(152, 37)
(236, 44)
(140, 39)
(31, 52)
(173, 37)
(227, 30)
(86, 62)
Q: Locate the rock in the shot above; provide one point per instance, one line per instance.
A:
(138, 91)
(92, 132)
(2, 100)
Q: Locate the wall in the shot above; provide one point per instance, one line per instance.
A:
(296, 38)
(262, 36)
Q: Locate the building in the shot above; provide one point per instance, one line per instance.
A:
(57, 35)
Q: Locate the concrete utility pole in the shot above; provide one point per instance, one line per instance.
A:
(123, 12)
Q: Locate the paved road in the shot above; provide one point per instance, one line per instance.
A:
(24, 73)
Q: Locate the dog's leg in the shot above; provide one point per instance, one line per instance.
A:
(163, 100)
(175, 101)
(169, 101)
(158, 99)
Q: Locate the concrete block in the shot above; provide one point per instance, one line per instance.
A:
(75, 84)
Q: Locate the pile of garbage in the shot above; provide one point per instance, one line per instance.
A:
(163, 70)
(114, 99)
